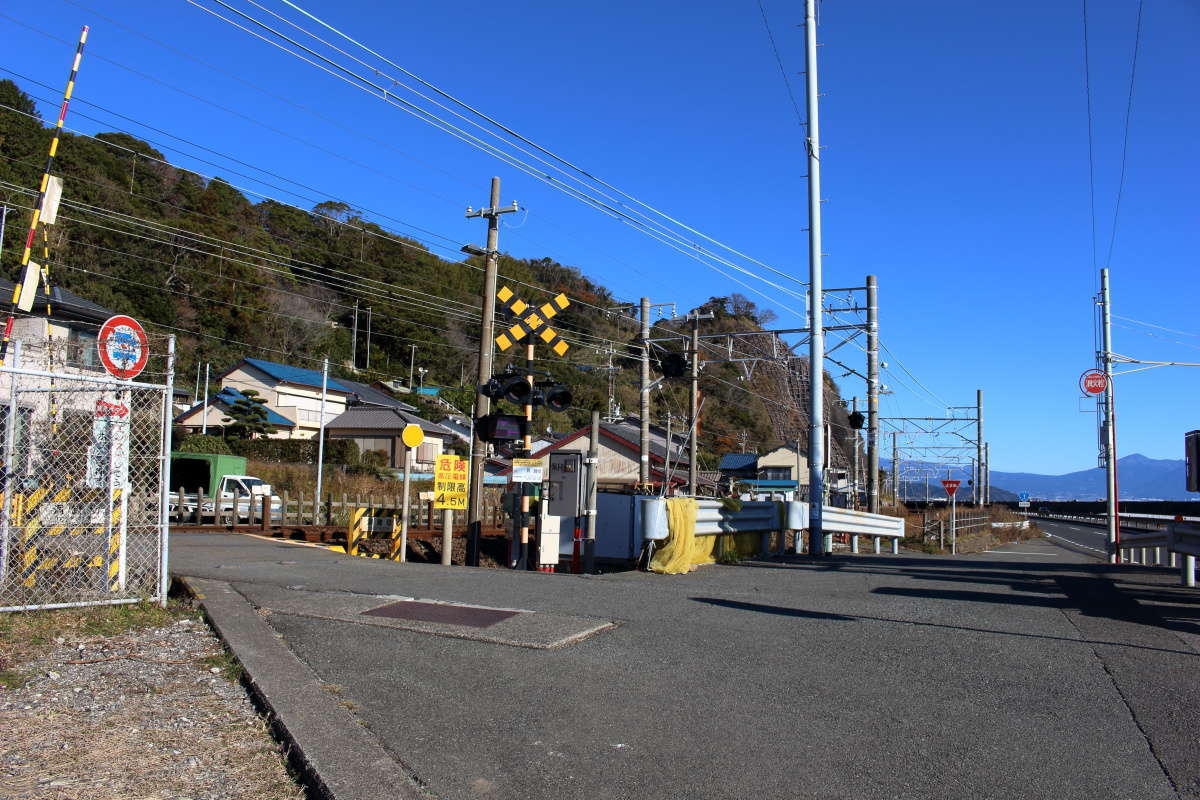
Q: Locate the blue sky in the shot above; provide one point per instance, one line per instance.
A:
(955, 168)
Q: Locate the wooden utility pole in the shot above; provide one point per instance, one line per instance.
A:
(486, 342)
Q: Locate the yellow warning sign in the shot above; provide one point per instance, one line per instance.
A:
(451, 477)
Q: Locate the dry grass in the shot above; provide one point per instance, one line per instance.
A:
(129, 703)
(301, 480)
(26, 635)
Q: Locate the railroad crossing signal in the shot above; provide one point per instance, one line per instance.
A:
(528, 324)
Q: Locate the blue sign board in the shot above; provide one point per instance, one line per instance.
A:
(1023, 497)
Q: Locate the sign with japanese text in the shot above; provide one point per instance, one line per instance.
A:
(451, 477)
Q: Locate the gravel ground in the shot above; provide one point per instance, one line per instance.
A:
(150, 714)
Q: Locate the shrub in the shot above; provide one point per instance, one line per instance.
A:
(199, 443)
(296, 451)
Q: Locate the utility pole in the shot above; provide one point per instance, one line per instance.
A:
(592, 470)
(872, 395)
(857, 475)
(895, 472)
(694, 407)
(816, 339)
(482, 403)
(321, 434)
(977, 494)
(987, 474)
(368, 364)
(644, 408)
(1110, 428)
(412, 360)
(204, 417)
(354, 338)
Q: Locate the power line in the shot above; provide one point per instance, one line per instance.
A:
(1137, 38)
(783, 72)
(1087, 80)
(360, 229)
(689, 249)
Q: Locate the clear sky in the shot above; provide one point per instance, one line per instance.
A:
(955, 164)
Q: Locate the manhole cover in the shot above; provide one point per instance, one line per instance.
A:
(441, 612)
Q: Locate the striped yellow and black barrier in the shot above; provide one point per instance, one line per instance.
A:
(25, 515)
(356, 530)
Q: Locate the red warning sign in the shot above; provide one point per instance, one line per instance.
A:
(951, 487)
(123, 347)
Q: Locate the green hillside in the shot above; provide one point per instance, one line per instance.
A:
(236, 278)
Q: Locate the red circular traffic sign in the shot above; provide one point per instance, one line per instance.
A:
(123, 347)
(1093, 382)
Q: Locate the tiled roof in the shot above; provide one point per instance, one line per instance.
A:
(227, 397)
(736, 461)
(296, 375)
(391, 420)
(371, 396)
(63, 304)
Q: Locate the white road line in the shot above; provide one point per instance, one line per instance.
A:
(1077, 544)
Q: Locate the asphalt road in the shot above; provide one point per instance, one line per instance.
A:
(1029, 672)
(1088, 540)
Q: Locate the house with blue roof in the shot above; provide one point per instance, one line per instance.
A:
(292, 396)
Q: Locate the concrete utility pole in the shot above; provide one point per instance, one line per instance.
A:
(204, 416)
(321, 433)
(354, 338)
(482, 403)
(368, 364)
(857, 474)
(644, 408)
(895, 471)
(412, 362)
(694, 407)
(977, 494)
(1110, 428)
(592, 470)
(816, 340)
(987, 474)
(872, 395)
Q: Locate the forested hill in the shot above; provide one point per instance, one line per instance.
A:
(234, 278)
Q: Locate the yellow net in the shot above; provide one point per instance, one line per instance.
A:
(683, 550)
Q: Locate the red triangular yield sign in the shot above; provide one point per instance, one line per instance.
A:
(951, 487)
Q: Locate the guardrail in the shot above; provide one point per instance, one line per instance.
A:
(767, 517)
(1144, 522)
(1180, 543)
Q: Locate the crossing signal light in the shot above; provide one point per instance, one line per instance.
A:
(673, 365)
(513, 388)
(501, 427)
(857, 419)
(556, 397)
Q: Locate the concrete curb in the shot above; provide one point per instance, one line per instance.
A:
(340, 759)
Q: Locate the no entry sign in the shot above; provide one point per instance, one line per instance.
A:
(1093, 382)
(123, 347)
(951, 487)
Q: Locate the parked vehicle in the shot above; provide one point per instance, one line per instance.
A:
(223, 480)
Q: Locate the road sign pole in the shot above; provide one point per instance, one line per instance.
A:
(953, 525)
(405, 504)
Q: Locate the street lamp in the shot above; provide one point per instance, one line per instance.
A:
(421, 376)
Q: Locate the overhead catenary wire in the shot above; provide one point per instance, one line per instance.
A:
(1137, 38)
(690, 249)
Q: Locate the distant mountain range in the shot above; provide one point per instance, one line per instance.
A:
(1139, 478)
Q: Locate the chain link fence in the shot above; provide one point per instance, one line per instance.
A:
(83, 511)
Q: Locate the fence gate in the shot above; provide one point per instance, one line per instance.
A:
(84, 479)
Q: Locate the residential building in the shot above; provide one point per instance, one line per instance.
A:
(377, 429)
